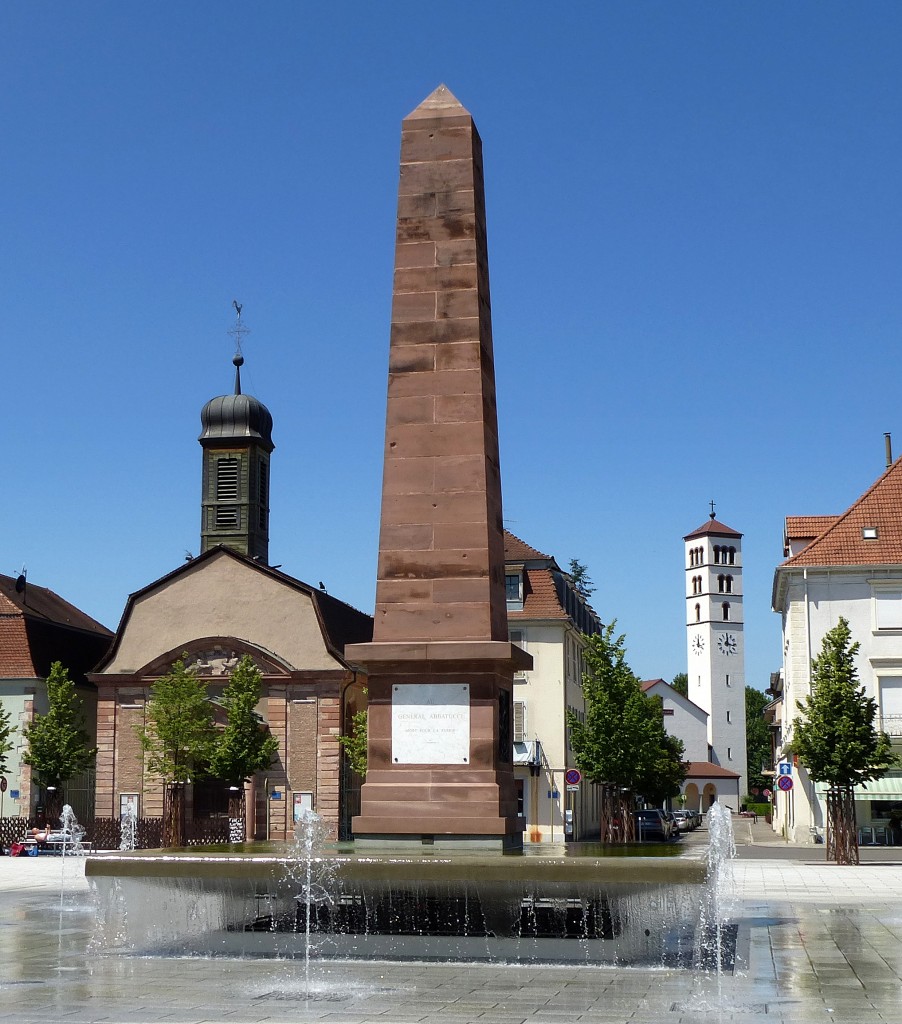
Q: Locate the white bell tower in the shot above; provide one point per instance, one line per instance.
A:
(715, 640)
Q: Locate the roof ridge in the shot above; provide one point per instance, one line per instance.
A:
(821, 538)
(519, 540)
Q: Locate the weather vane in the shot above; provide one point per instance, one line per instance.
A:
(239, 331)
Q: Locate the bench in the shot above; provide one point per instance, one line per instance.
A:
(56, 843)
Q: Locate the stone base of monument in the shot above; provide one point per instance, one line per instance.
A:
(439, 758)
(442, 843)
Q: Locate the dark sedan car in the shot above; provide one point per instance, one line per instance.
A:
(653, 825)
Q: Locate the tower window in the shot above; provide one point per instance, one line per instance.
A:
(728, 584)
(726, 611)
(729, 753)
(263, 494)
(729, 716)
(226, 517)
(698, 613)
(727, 678)
(227, 479)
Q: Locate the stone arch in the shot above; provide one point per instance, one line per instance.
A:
(709, 796)
(691, 794)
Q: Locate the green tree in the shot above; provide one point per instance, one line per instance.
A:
(58, 743)
(621, 745)
(664, 770)
(836, 739)
(579, 577)
(244, 746)
(355, 743)
(178, 741)
(680, 683)
(6, 743)
(757, 739)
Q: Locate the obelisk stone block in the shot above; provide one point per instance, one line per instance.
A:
(441, 616)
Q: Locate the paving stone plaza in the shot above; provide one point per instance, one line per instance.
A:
(815, 943)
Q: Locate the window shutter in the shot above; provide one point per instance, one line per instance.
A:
(520, 721)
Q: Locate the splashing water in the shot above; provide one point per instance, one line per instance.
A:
(717, 902)
(72, 845)
(314, 876)
(128, 828)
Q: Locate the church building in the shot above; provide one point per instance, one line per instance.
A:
(212, 610)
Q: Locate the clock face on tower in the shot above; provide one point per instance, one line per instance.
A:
(698, 643)
(726, 643)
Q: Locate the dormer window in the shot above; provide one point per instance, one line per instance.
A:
(513, 587)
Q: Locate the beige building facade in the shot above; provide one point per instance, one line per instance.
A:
(548, 618)
(209, 613)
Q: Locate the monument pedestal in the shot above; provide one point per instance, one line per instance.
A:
(439, 726)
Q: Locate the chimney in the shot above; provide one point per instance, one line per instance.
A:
(888, 441)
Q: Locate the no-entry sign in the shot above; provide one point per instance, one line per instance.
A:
(785, 782)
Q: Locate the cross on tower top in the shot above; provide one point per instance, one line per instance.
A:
(711, 503)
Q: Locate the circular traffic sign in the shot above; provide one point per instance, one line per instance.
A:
(3, 785)
(573, 777)
(785, 782)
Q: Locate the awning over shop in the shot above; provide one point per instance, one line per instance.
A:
(889, 787)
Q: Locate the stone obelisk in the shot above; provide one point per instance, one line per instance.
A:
(440, 667)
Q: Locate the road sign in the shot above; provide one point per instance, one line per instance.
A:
(3, 785)
(785, 783)
(572, 789)
(785, 767)
(573, 777)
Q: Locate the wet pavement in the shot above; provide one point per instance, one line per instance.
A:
(816, 943)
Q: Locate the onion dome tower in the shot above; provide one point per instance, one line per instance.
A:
(237, 444)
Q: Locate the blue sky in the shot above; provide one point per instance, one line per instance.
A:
(695, 242)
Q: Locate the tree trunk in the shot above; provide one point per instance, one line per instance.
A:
(617, 822)
(842, 826)
(174, 815)
(626, 804)
(609, 830)
(53, 807)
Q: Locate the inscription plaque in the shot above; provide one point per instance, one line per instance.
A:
(430, 723)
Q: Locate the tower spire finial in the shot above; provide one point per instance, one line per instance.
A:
(238, 332)
(711, 513)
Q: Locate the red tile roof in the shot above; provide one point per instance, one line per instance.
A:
(37, 627)
(516, 550)
(712, 526)
(15, 656)
(842, 543)
(807, 527)
(804, 528)
(540, 597)
(707, 770)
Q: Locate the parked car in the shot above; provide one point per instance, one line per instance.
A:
(685, 820)
(652, 824)
(674, 824)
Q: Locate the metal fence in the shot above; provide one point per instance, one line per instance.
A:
(106, 833)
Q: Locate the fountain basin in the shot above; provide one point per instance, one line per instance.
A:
(540, 907)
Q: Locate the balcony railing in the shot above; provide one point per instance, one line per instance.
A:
(891, 724)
